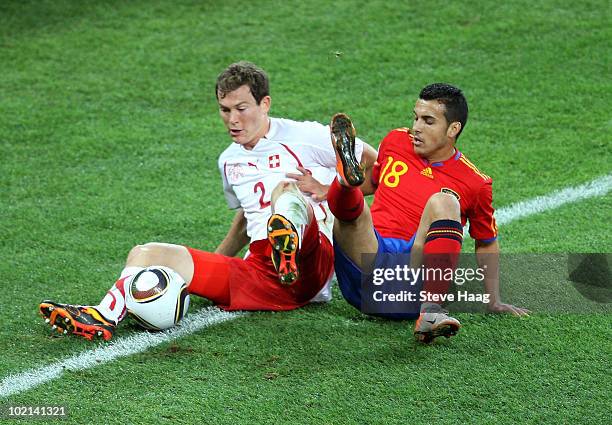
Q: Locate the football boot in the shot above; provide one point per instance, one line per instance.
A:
(343, 139)
(285, 242)
(79, 320)
(434, 322)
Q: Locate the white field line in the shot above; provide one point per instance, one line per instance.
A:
(142, 341)
(595, 188)
(121, 347)
(539, 204)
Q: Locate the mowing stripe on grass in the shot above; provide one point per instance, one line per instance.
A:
(139, 342)
(121, 347)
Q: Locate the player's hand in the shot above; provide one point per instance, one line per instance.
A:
(309, 185)
(499, 307)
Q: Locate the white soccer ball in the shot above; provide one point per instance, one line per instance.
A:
(157, 297)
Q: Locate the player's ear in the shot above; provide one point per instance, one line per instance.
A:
(453, 129)
(265, 103)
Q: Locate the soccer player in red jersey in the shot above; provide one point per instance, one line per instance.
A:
(426, 192)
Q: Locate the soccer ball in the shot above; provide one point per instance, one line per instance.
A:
(157, 298)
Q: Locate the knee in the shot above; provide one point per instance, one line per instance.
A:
(136, 251)
(282, 187)
(147, 251)
(444, 206)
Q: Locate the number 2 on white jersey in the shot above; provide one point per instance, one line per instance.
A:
(262, 204)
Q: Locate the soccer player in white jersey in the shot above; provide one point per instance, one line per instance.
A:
(290, 257)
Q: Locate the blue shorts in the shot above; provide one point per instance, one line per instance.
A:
(350, 276)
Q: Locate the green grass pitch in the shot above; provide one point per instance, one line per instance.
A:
(109, 134)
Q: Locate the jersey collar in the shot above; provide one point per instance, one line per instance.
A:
(272, 130)
(449, 161)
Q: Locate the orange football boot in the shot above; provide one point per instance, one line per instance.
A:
(284, 239)
(79, 320)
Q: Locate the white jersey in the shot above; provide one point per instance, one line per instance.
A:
(249, 176)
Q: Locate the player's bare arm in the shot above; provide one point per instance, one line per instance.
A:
(487, 255)
(236, 237)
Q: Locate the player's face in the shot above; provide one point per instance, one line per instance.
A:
(245, 120)
(434, 138)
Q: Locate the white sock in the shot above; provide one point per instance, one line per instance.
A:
(130, 271)
(112, 306)
(294, 207)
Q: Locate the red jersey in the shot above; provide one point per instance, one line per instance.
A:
(407, 181)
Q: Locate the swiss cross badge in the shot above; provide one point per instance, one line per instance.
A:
(274, 161)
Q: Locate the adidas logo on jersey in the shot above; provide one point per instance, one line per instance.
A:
(427, 172)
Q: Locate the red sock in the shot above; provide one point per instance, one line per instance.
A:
(441, 253)
(345, 202)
